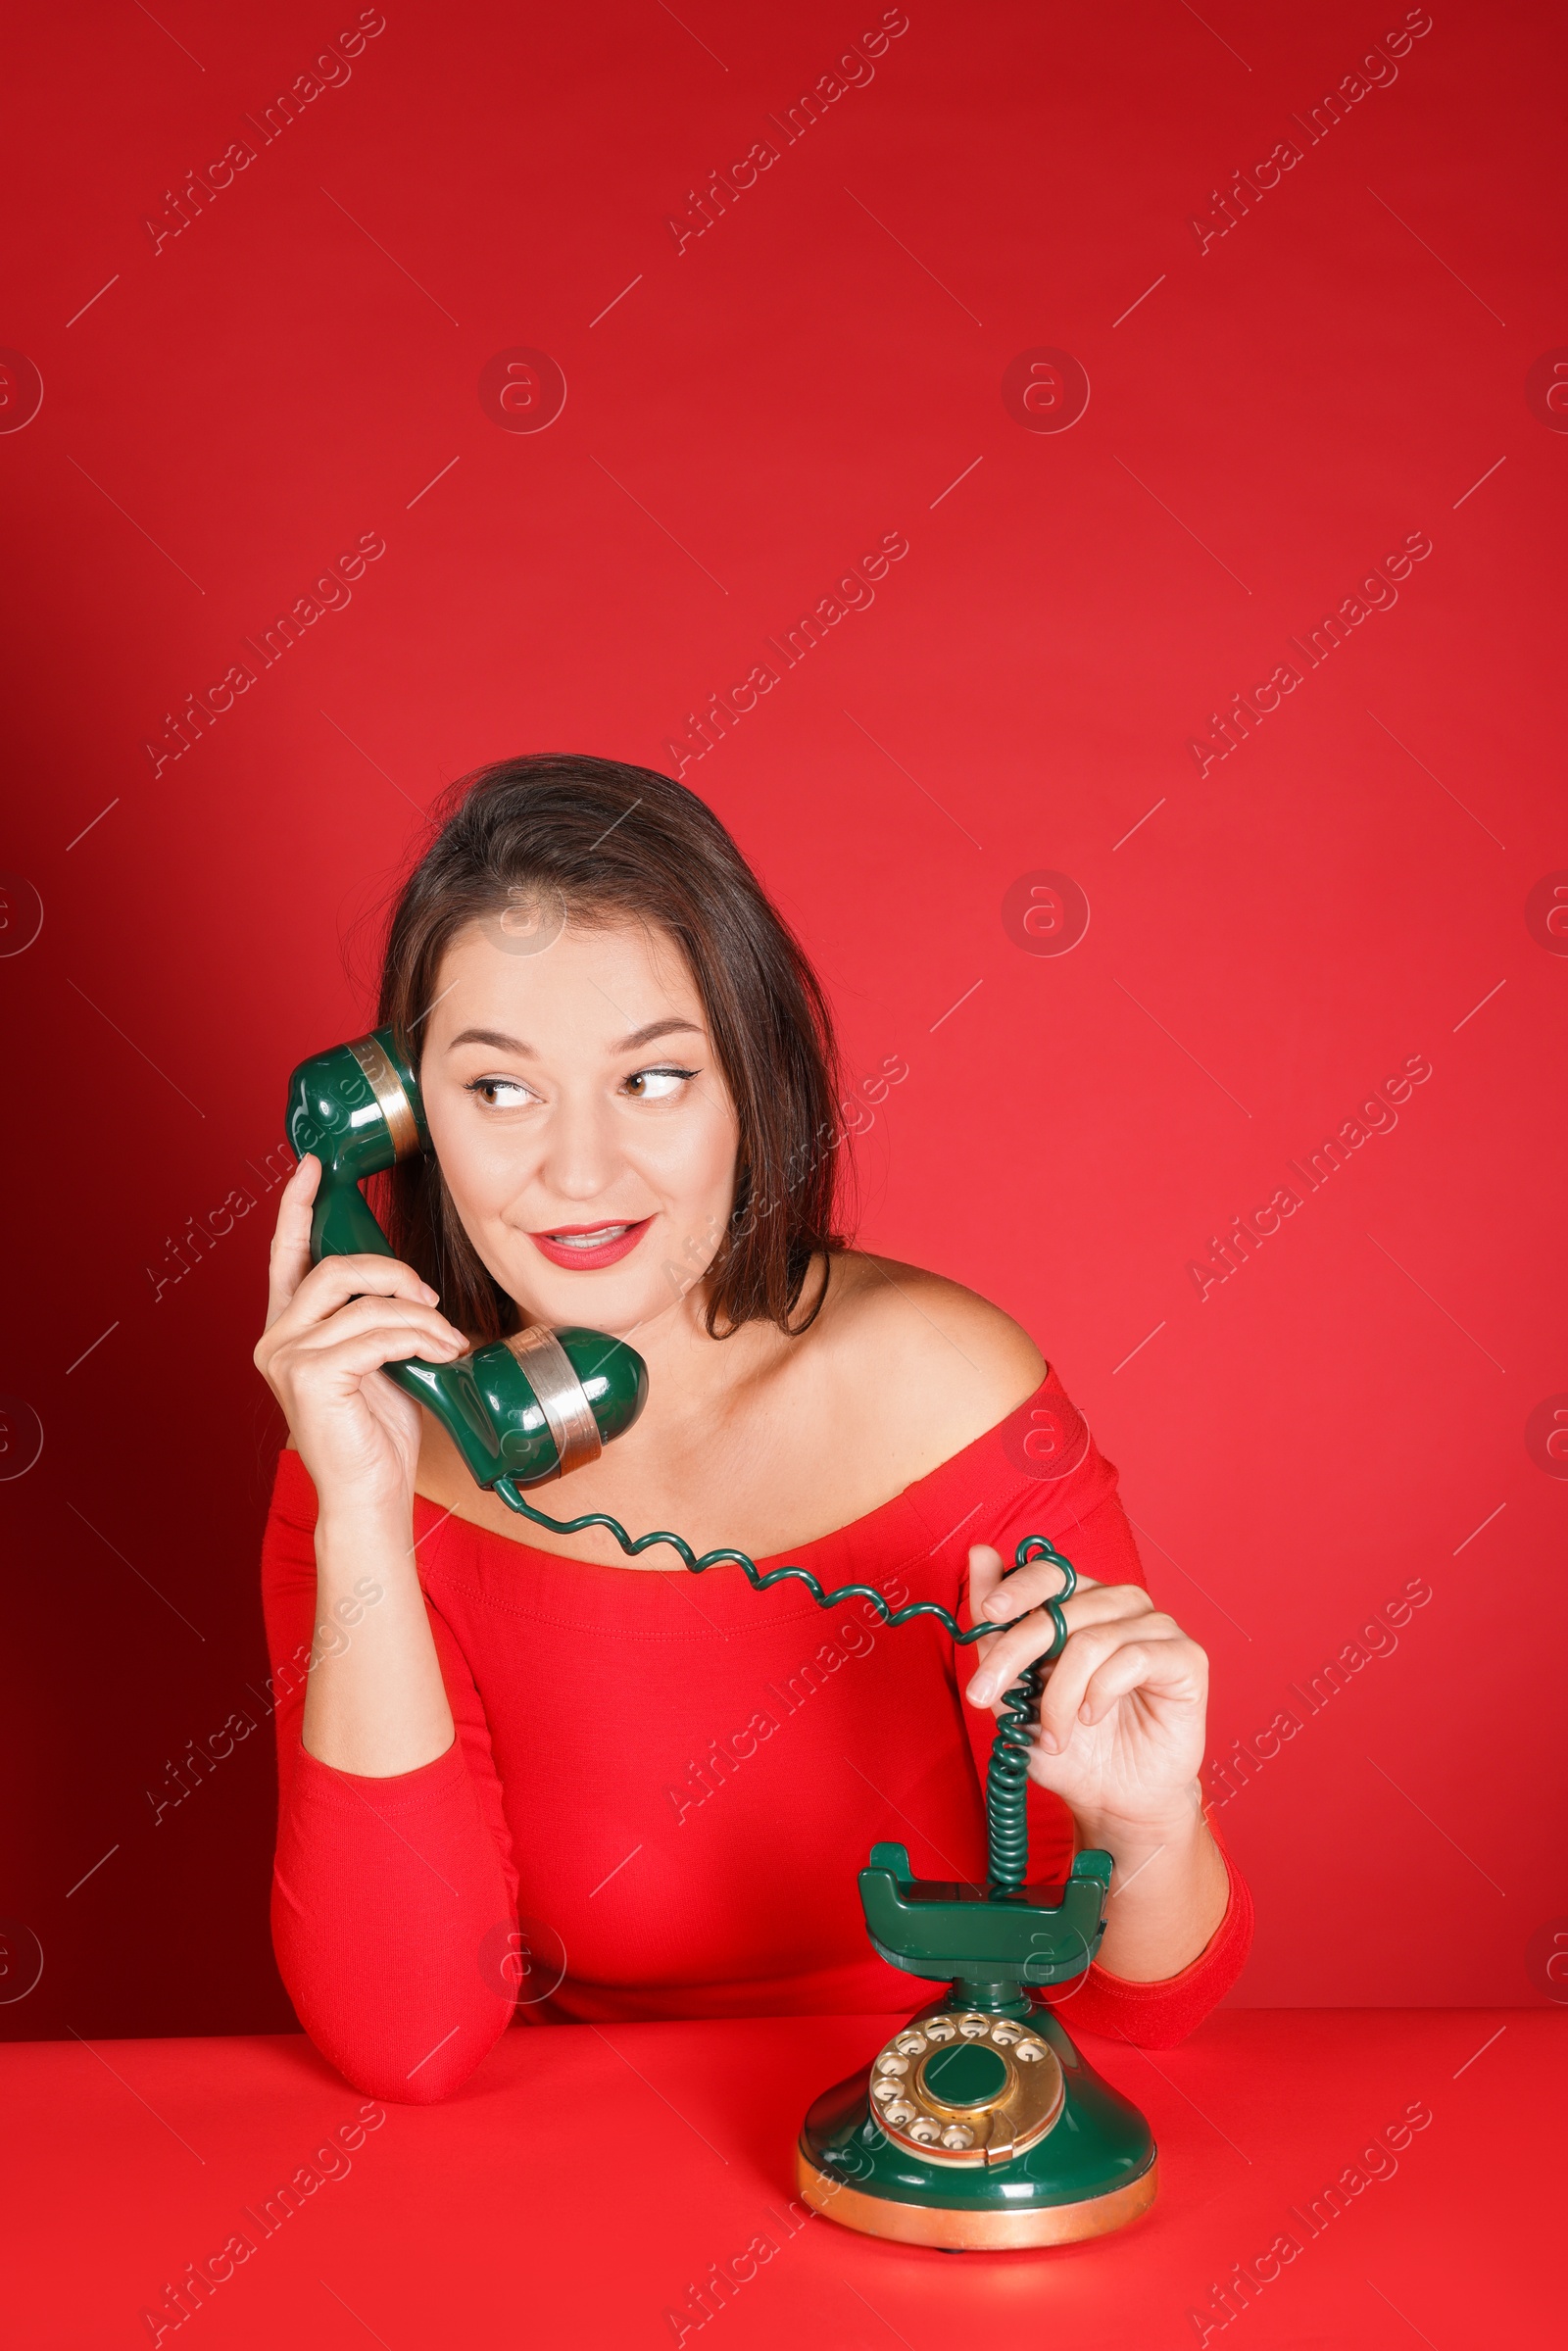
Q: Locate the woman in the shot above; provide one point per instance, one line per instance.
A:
(514, 1760)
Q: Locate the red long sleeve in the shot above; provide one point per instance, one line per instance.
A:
(384, 1891)
(671, 1784)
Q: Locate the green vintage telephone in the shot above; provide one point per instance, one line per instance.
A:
(978, 2124)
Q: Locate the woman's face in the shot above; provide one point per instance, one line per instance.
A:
(581, 1119)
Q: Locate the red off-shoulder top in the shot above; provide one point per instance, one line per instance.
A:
(663, 1786)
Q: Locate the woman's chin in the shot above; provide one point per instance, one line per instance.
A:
(619, 1303)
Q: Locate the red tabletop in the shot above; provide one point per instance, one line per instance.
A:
(588, 2179)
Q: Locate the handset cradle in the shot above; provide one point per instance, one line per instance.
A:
(978, 2124)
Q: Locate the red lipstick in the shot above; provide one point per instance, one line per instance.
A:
(584, 1248)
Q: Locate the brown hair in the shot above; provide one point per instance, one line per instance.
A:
(622, 842)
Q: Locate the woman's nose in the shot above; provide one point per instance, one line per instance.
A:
(580, 1159)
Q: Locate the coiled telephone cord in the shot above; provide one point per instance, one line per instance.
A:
(1008, 1773)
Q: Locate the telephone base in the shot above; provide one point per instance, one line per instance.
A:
(973, 2231)
(973, 2150)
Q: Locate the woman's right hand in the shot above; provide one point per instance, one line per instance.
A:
(329, 1329)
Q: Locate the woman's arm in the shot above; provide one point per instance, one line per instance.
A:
(939, 1366)
(393, 1892)
(393, 1897)
(375, 1705)
(1121, 1743)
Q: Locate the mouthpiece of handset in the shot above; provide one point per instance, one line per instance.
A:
(533, 1407)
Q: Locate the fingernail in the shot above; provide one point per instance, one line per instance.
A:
(998, 1606)
(1050, 1742)
(980, 1691)
(430, 1297)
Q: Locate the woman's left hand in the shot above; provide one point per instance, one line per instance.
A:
(1122, 1715)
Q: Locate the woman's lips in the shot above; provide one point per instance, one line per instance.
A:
(586, 1247)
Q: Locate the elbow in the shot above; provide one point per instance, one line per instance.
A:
(408, 2033)
(406, 2077)
(432, 2086)
(405, 2053)
(440, 2072)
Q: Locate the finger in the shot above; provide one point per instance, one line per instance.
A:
(377, 1313)
(1175, 1669)
(1032, 1635)
(1004, 1658)
(350, 1360)
(289, 1261)
(1086, 1654)
(1003, 1593)
(1015, 1594)
(331, 1284)
(1104, 1604)
(985, 1574)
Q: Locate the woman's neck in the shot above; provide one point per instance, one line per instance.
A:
(695, 1381)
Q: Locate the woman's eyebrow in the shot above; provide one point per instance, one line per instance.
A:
(501, 1044)
(494, 1039)
(657, 1028)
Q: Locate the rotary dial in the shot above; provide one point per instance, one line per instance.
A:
(965, 2088)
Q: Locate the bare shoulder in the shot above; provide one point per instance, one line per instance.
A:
(916, 1354)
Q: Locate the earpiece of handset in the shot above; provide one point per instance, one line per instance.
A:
(529, 1409)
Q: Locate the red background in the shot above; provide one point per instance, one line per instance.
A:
(745, 418)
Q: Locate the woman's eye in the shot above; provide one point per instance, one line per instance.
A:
(501, 1094)
(656, 1084)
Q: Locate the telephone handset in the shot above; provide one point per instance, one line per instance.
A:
(979, 2125)
(521, 1411)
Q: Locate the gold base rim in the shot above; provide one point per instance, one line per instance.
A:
(975, 2231)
